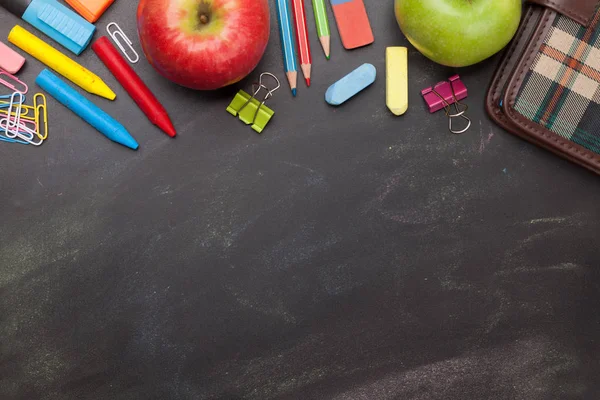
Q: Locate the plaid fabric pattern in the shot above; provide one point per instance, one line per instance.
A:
(561, 91)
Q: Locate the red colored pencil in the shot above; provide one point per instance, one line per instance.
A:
(133, 84)
(302, 38)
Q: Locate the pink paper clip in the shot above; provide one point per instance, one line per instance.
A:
(15, 81)
(444, 93)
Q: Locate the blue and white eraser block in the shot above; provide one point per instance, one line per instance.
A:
(351, 84)
(60, 23)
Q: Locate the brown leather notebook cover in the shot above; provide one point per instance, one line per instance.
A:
(547, 86)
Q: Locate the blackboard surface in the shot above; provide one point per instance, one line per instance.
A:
(345, 254)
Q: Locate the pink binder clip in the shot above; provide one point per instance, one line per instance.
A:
(444, 93)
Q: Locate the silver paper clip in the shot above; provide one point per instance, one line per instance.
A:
(15, 81)
(459, 113)
(114, 35)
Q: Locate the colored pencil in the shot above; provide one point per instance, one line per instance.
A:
(322, 25)
(302, 37)
(287, 43)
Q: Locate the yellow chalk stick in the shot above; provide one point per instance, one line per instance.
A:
(397, 79)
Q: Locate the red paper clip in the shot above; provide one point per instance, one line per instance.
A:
(444, 93)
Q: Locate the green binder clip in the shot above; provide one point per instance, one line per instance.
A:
(249, 109)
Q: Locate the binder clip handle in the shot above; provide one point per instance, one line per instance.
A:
(249, 109)
(256, 87)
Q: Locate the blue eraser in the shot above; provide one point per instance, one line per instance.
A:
(351, 84)
(61, 24)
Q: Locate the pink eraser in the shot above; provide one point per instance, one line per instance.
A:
(10, 60)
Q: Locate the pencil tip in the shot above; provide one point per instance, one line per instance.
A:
(294, 92)
(307, 81)
(327, 56)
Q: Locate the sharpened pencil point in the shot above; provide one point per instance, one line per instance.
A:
(328, 57)
(308, 82)
(294, 92)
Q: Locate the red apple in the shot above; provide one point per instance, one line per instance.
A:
(204, 44)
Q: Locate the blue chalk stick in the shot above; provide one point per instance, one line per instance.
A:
(351, 84)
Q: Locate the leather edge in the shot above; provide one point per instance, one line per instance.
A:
(581, 11)
(503, 71)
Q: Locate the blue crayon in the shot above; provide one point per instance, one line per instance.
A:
(287, 43)
(85, 109)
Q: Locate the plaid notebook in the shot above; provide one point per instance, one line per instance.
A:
(547, 88)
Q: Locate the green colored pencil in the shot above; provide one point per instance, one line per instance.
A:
(322, 25)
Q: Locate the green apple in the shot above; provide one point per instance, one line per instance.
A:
(458, 33)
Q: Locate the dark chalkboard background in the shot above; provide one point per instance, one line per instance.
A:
(345, 254)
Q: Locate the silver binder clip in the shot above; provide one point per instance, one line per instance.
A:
(116, 35)
(460, 108)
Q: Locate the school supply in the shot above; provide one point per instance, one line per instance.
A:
(19, 129)
(91, 10)
(54, 20)
(322, 23)
(117, 35)
(10, 60)
(396, 59)
(302, 39)
(353, 23)
(287, 43)
(26, 112)
(249, 110)
(545, 87)
(41, 110)
(5, 102)
(351, 84)
(12, 82)
(85, 109)
(445, 94)
(11, 124)
(133, 84)
(59, 62)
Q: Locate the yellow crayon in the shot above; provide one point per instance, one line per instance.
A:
(62, 64)
(397, 79)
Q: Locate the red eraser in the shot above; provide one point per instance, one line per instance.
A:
(10, 60)
(353, 23)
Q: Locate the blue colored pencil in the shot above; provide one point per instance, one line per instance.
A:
(284, 17)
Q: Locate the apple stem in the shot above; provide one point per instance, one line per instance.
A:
(204, 19)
